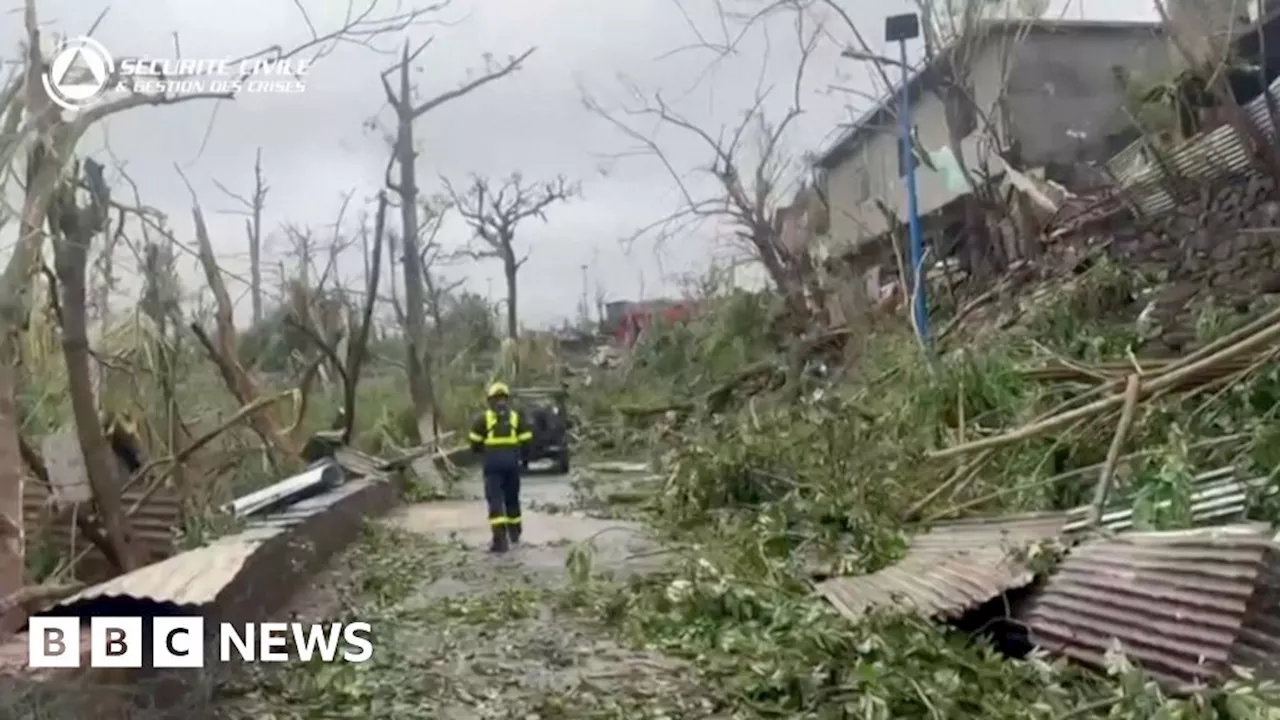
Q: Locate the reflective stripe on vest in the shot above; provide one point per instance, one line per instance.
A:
(498, 436)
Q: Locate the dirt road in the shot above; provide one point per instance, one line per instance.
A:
(463, 634)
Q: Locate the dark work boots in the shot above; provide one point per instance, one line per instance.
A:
(499, 544)
(513, 533)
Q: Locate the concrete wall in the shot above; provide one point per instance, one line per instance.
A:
(1066, 82)
(1056, 82)
(871, 172)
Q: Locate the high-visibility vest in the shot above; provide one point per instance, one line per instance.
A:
(495, 435)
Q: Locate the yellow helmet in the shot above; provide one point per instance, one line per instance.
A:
(498, 389)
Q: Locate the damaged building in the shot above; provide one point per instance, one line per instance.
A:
(1046, 96)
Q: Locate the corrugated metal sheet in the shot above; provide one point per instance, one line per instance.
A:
(271, 549)
(1129, 162)
(1218, 497)
(357, 463)
(155, 524)
(957, 566)
(1184, 605)
(953, 568)
(193, 578)
(1215, 155)
(238, 579)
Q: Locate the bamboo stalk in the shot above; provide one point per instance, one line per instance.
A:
(1131, 392)
(1168, 378)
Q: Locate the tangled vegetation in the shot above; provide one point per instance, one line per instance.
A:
(764, 495)
(771, 485)
(780, 459)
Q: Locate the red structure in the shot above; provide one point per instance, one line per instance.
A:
(641, 315)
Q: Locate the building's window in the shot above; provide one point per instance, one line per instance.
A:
(1121, 75)
(861, 184)
(961, 110)
(965, 112)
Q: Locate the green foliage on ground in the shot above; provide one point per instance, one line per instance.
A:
(760, 497)
(752, 501)
(456, 635)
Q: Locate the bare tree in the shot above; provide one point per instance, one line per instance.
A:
(437, 288)
(358, 348)
(224, 349)
(350, 364)
(748, 192)
(75, 227)
(317, 309)
(394, 249)
(35, 124)
(252, 209)
(160, 302)
(404, 155)
(495, 214)
(37, 131)
(303, 250)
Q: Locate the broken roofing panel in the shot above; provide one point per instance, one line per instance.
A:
(1218, 497)
(951, 569)
(260, 559)
(1184, 605)
(957, 566)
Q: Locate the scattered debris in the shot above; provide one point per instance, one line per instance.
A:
(951, 569)
(618, 467)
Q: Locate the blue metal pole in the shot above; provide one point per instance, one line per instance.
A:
(918, 275)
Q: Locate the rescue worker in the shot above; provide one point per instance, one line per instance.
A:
(500, 438)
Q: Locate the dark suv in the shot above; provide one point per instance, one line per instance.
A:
(545, 412)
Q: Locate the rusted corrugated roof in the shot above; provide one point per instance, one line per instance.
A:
(1184, 605)
(959, 565)
(154, 524)
(953, 568)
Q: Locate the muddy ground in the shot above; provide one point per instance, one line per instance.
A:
(463, 634)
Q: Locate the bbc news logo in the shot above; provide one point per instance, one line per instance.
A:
(179, 642)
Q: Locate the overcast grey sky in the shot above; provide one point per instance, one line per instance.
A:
(316, 146)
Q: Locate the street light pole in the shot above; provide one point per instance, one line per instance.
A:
(900, 29)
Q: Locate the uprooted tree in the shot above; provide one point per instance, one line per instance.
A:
(494, 214)
(404, 154)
